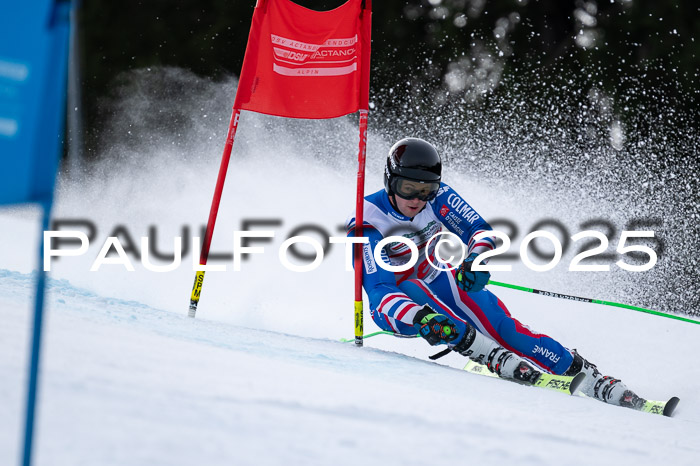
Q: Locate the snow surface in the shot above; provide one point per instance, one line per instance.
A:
(124, 383)
(260, 376)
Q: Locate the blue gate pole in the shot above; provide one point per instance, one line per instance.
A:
(36, 340)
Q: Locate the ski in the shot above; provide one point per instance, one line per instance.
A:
(664, 408)
(558, 383)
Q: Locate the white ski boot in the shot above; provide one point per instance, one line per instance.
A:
(603, 387)
(499, 360)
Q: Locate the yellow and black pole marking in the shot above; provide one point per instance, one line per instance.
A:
(196, 292)
(359, 327)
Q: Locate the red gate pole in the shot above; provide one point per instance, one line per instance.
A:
(359, 220)
(223, 169)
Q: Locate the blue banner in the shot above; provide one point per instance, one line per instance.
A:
(33, 68)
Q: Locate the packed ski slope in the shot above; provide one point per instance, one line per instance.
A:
(260, 376)
(125, 383)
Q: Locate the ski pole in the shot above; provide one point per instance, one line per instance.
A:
(381, 332)
(591, 300)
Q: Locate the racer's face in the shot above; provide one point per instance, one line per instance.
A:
(409, 207)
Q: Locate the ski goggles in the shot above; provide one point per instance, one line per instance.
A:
(412, 189)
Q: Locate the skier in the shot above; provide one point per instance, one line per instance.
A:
(452, 307)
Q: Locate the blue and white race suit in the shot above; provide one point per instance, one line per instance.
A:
(395, 298)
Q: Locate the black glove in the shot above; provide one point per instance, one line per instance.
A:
(437, 329)
(468, 280)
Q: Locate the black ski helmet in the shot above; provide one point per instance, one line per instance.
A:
(413, 159)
